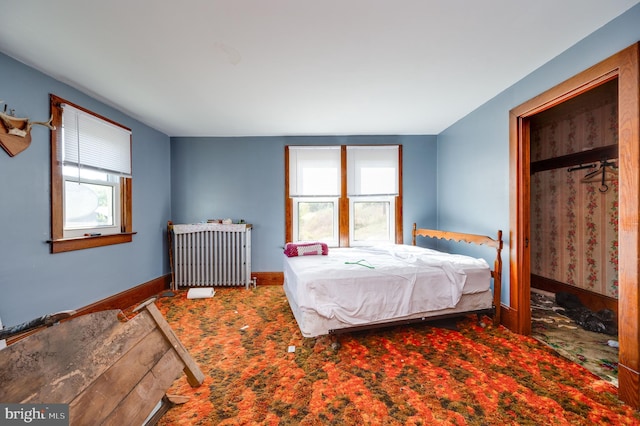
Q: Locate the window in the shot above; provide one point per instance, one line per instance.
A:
(90, 179)
(343, 195)
(314, 185)
(372, 182)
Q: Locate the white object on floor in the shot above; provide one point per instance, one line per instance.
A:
(200, 293)
(613, 343)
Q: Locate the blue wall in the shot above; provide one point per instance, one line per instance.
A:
(473, 154)
(243, 178)
(33, 281)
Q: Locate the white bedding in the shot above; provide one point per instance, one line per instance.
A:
(355, 286)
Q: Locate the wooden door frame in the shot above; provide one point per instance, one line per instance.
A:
(624, 66)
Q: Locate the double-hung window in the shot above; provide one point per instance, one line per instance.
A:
(314, 188)
(90, 179)
(344, 195)
(372, 182)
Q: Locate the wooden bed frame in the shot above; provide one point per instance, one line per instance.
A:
(496, 274)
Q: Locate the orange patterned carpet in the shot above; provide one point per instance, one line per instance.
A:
(420, 375)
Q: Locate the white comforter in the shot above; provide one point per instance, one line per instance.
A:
(361, 285)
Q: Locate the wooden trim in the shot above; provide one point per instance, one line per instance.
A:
(80, 243)
(268, 278)
(130, 297)
(589, 299)
(628, 225)
(624, 66)
(58, 243)
(288, 202)
(628, 380)
(508, 317)
(399, 202)
(126, 197)
(343, 204)
(56, 168)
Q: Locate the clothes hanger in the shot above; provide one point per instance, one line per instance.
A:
(606, 172)
(361, 262)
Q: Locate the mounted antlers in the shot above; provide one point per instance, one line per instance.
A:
(15, 133)
(16, 130)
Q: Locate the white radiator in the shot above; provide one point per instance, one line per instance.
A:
(211, 254)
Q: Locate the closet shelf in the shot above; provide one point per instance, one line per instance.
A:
(591, 156)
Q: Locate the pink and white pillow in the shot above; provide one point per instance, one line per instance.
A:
(306, 249)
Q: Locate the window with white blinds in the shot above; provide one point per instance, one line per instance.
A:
(372, 170)
(319, 211)
(92, 143)
(314, 171)
(91, 179)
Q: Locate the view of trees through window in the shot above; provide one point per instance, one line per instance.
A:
(371, 221)
(316, 221)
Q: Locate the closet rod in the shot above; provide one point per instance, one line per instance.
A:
(591, 156)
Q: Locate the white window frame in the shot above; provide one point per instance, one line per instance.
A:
(333, 242)
(115, 228)
(390, 225)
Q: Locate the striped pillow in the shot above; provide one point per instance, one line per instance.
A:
(305, 249)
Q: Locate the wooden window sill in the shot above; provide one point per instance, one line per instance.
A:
(80, 243)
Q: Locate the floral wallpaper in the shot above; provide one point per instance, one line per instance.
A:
(574, 224)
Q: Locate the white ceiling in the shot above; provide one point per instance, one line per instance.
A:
(295, 67)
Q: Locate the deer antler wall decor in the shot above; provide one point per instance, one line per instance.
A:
(15, 133)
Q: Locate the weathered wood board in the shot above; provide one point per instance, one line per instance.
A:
(108, 371)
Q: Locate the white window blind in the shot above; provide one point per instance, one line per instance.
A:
(314, 171)
(90, 142)
(372, 170)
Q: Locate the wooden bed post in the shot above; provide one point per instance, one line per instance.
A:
(497, 280)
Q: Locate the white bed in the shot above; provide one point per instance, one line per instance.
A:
(356, 288)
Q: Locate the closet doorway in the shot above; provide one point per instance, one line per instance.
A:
(622, 71)
(574, 228)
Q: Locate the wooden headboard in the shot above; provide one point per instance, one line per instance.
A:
(496, 273)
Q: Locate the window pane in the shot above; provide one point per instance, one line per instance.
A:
(72, 173)
(88, 205)
(315, 221)
(371, 221)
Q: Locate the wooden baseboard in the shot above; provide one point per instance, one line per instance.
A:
(591, 300)
(268, 278)
(129, 297)
(137, 294)
(628, 386)
(508, 317)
